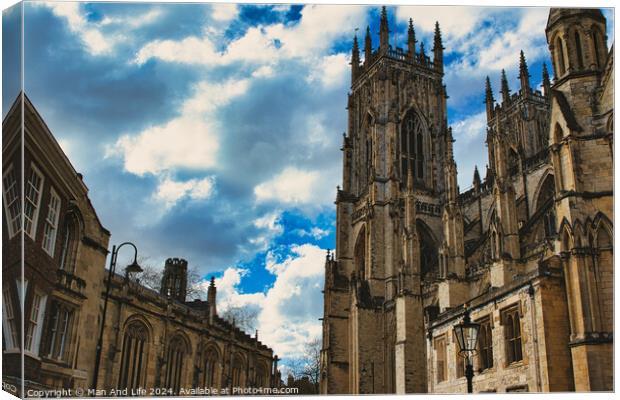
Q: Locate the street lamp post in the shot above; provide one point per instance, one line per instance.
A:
(467, 339)
(131, 269)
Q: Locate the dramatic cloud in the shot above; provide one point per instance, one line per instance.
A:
(170, 191)
(212, 131)
(291, 186)
(290, 310)
(188, 141)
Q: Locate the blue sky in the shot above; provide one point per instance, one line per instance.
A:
(212, 132)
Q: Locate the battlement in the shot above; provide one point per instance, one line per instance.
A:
(176, 263)
(518, 98)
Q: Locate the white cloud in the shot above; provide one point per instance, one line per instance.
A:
(467, 129)
(228, 294)
(290, 309)
(454, 21)
(93, 39)
(318, 27)
(330, 70)
(133, 21)
(189, 141)
(224, 12)
(170, 191)
(270, 228)
(315, 232)
(291, 186)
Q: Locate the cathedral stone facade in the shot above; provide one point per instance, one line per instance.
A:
(528, 250)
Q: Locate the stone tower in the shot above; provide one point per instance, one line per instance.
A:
(581, 138)
(174, 280)
(398, 174)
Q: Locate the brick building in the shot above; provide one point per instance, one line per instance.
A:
(528, 250)
(151, 339)
(65, 247)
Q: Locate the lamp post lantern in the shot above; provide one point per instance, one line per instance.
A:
(130, 271)
(467, 339)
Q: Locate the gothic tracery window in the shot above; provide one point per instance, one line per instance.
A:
(210, 368)
(177, 352)
(237, 371)
(412, 148)
(133, 358)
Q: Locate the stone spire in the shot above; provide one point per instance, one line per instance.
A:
(211, 299)
(505, 90)
(422, 53)
(476, 177)
(488, 98)
(355, 59)
(545, 80)
(438, 48)
(411, 40)
(367, 47)
(524, 75)
(384, 31)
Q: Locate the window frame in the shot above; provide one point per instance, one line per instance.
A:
(485, 354)
(9, 325)
(17, 219)
(440, 343)
(513, 339)
(32, 232)
(34, 327)
(51, 247)
(134, 356)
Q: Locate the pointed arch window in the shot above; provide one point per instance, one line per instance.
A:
(261, 376)
(559, 45)
(412, 148)
(210, 368)
(237, 372)
(133, 358)
(579, 51)
(360, 254)
(70, 235)
(177, 352)
(596, 41)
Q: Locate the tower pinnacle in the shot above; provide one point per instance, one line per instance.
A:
(367, 46)
(355, 59)
(411, 40)
(524, 75)
(384, 32)
(438, 48)
(505, 89)
(488, 98)
(545, 80)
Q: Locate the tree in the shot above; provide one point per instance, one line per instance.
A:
(244, 317)
(151, 277)
(308, 366)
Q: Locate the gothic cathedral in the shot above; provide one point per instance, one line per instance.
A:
(527, 251)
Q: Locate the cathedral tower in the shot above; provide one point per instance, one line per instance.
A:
(581, 138)
(174, 280)
(398, 172)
